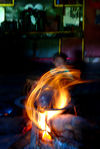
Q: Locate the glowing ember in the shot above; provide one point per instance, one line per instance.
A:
(50, 96)
(46, 137)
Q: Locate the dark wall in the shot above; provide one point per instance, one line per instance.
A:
(72, 47)
(91, 34)
(92, 30)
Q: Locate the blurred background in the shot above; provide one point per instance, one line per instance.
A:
(31, 32)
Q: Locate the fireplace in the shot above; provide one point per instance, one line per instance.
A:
(47, 107)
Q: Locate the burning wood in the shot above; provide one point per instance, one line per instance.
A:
(50, 98)
(69, 127)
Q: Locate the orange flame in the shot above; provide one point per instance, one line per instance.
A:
(57, 82)
(46, 136)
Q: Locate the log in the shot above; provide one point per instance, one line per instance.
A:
(75, 130)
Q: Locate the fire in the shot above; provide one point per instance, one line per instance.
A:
(50, 97)
(46, 136)
(43, 126)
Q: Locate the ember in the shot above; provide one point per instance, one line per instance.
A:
(50, 98)
(46, 136)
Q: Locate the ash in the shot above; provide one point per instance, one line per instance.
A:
(36, 143)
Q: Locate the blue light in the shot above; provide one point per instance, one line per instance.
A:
(9, 111)
(57, 2)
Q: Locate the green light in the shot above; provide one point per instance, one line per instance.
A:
(2, 14)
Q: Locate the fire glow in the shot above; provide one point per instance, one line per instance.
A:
(54, 85)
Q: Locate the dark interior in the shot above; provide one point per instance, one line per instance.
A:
(27, 47)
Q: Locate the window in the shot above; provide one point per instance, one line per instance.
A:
(2, 14)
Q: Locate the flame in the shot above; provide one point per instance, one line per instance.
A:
(39, 108)
(46, 136)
